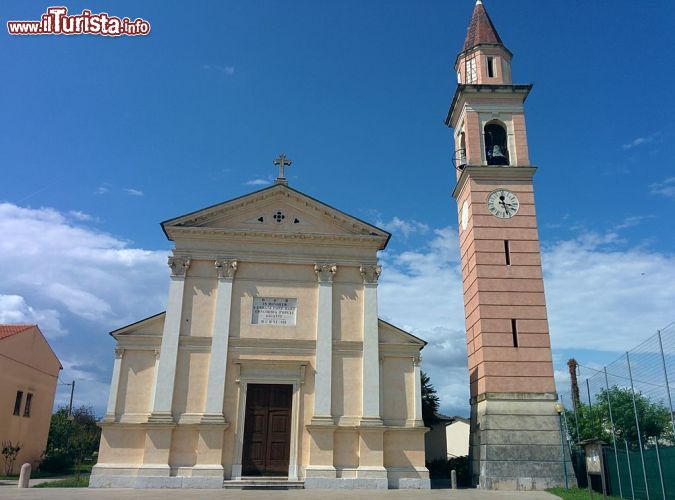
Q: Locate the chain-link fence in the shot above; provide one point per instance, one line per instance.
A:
(628, 404)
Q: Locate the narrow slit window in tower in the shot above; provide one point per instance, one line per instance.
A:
(491, 67)
(496, 151)
(507, 252)
(514, 332)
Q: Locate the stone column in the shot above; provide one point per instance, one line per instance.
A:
(114, 386)
(371, 348)
(215, 389)
(324, 344)
(417, 374)
(320, 471)
(166, 370)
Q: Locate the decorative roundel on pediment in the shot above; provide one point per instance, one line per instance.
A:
(279, 217)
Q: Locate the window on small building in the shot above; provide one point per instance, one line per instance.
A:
(29, 401)
(17, 402)
(491, 67)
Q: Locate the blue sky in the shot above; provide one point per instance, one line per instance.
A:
(102, 138)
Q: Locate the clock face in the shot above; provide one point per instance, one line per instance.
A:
(503, 204)
(465, 214)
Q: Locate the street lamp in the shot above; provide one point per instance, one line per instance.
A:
(559, 408)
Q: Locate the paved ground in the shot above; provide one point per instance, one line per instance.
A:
(11, 483)
(117, 494)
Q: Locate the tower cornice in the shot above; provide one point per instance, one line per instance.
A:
(492, 173)
(522, 90)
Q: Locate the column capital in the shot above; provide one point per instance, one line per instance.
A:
(119, 352)
(370, 274)
(325, 272)
(179, 266)
(156, 352)
(226, 268)
(417, 360)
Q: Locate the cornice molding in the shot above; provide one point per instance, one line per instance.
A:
(485, 172)
(497, 91)
(218, 234)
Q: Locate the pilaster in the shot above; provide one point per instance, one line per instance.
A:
(371, 356)
(215, 390)
(114, 386)
(166, 369)
(418, 421)
(324, 345)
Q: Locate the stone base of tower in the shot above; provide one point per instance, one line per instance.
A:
(515, 442)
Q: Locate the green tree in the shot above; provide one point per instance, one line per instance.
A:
(430, 401)
(71, 439)
(594, 422)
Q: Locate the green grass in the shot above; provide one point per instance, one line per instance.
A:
(33, 475)
(71, 482)
(577, 494)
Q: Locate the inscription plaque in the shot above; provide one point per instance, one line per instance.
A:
(274, 311)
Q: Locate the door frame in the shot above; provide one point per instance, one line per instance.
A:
(286, 372)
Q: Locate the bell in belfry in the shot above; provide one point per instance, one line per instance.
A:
(498, 157)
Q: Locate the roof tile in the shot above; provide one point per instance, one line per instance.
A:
(9, 330)
(481, 30)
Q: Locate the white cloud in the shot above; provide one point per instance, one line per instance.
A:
(664, 188)
(421, 292)
(133, 192)
(640, 141)
(91, 383)
(15, 309)
(600, 296)
(76, 283)
(259, 182)
(81, 216)
(403, 227)
(101, 190)
(75, 269)
(604, 297)
(227, 70)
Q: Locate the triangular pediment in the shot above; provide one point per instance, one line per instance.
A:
(152, 325)
(390, 334)
(274, 210)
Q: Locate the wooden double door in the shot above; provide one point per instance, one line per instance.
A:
(267, 430)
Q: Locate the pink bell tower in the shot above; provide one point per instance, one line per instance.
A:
(515, 437)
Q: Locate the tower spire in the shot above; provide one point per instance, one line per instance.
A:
(481, 30)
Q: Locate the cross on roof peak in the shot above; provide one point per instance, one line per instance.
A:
(282, 162)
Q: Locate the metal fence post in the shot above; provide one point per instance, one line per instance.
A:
(665, 374)
(590, 407)
(611, 420)
(630, 471)
(658, 461)
(637, 425)
(576, 420)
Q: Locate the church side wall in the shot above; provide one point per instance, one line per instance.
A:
(136, 379)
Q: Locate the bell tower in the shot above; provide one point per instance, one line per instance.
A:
(515, 437)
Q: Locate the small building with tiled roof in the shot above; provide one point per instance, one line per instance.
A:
(29, 372)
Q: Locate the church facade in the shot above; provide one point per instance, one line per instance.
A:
(270, 360)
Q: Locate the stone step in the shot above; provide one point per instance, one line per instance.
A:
(266, 483)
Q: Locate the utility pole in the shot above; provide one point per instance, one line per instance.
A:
(70, 405)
